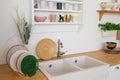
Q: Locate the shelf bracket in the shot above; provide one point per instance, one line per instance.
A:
(100, 15)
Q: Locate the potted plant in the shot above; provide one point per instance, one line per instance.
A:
(109, 28)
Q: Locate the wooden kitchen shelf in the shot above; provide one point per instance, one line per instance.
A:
(101, 12)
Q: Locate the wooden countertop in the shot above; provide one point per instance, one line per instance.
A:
(7, 74)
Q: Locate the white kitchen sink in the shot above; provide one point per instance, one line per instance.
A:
(56, 68)
(85, 62)
(75, 68)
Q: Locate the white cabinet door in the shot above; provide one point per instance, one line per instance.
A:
(101, 79)
(114, 73)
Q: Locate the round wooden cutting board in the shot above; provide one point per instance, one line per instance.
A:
(46, 49)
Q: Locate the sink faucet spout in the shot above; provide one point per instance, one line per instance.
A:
(60, 45)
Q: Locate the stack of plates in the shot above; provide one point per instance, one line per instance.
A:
(21, 60)
(12, 51)
(14, 59)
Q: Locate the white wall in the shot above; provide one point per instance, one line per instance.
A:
(86, 39)
(8, 29)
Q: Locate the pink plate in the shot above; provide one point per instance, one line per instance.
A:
(20, 60)
(14, 49)
(13, 59)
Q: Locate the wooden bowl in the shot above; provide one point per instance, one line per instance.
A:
(111, 45)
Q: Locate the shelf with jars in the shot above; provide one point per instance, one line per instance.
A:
(57, 12)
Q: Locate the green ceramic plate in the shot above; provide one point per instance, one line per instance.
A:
(29, 65)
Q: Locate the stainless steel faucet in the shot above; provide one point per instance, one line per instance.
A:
(60, 45)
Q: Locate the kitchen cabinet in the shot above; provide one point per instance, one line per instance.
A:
(70, 9)
(102, 78)
(114, 73)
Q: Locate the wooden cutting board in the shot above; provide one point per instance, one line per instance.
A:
(46, 49)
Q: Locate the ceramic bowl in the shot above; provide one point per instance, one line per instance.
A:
(111, 45)
(40, 18)
(107, 5)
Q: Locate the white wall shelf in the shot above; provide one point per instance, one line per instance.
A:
(56, 28)
(64, 1)
(76, 11)
(57, 23)
(52, 10)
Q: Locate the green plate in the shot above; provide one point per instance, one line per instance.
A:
(29, 65)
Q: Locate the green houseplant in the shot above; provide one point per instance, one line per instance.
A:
(109, 26)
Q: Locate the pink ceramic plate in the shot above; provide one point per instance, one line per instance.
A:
(13, 59)
(20, 60)
(17, 61)
(14, 49)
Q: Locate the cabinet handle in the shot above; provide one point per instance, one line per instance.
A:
(117, 68)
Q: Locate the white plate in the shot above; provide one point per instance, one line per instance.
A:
(14, 58)
(14, 49)
(20, 60)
